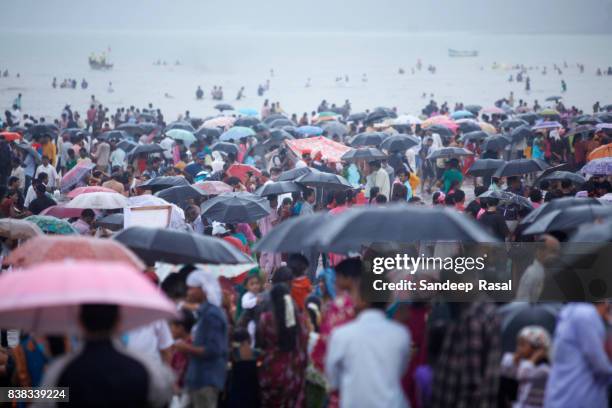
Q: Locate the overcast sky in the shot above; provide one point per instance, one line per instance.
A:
(512, 16)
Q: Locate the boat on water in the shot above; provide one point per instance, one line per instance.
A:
(462, 53)
(99, 65)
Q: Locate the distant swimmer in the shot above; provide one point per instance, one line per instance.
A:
(527, 84)
(199, 93)
(240, 94)
(401, 71)
(110, 87)
(167, 95)
(563, 86)
(260, 90)
(54, 83)
(84, 84)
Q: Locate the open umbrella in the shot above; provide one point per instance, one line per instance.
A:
(357, 117)
(487, 127)
(449, 152)
(178, 247)
(529, 117)
(547, 125)
(247, 121)
(549, 112)
(564, 175)
(327, 181)
(278, 187)
(517, 315)
(294, 235)
(147, 149)
(177, 215)
(89, 189)
(114, 135)
(161, 183)
(61, 211)
(248, 112)
(399, 143)
(242, 171)
(601, 152)
(506, 198)
(368, 139)
(52, 225)
(568, 219)
(493, 110)
(520, 132)
(220, 121)
(519, 167)
(271, 118)
(184, 135)
(495, 143)
(180, 125)
(223, 107)
(10, 136)
(46, 298)
(473, 108)
(363, 153)
(334, 128)
(468, 125)
(204, 132)
(132, 129)
(226, 147)
(310, 130)
(513, 123)
(48, 248)
(586, 120)
(18, 229)
(213, 187)
(485, 167)
(281, 122)
(462, 114)
(98, 201)
(406, 120)
(113, 222)
(477, 135)
(180, 194)
(293, 174)
(558, 204)
(554, 98)
(236, 133)
(26, 147)
(236, 208)
(378, 116)
(127, 145)
(75, 175)
(601, 166)
(442, 130)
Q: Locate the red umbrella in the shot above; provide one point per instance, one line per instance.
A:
(241, 171)
(59, 211)
(10, 136)
(214, 187)
(89, 189)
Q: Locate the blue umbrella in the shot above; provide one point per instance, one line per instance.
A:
(601, 166)
(310, 130)
(462, 114)
(547, 125)
(236, 133)
(248, 111)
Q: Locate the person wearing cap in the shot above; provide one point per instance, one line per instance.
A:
(208, 353)
(378, 177)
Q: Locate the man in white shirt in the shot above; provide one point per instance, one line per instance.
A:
(153, 341)
(167, 143)
(117, 157)
(532, 282)
(378, 177)
(47, 168)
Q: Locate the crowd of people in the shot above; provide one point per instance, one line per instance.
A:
(300, 329)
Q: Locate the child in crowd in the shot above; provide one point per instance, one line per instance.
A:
(243, 384)
(181, 332)
(249, 301)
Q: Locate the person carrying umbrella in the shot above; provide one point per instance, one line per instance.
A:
(531, 283)
(377, 177)
(452, 176)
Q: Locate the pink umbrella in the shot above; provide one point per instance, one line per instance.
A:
(214, 187)
(45, 298)
(59, 211)
(493, 110)
(75, 175)
(89, 189)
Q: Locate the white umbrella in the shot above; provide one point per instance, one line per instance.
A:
(98, 201)
(407, 120)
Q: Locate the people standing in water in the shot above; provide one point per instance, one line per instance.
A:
(527, 84)
(240, 94)
(563, 85)
(199, 93)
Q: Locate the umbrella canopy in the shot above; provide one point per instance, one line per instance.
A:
(440, 120)
(147, 149)
(529, 117)
(180, 194)
(334, 128)
(242, 171)
(213, 187)
(549, 112)
(226, 147)
(204, 132)
(114, 135)
(406, 120)
(449, 152)
(220, 121)
(52, 225)
(178, 247)
(75, 175)
(29, 150)
(127, 145)
(236, 133)
(356, 227)
(477, 135)
(473, 108)
(45, 298)
(441, 130)
(506, 198)
(177, 215)
(89, 189)
(493, 110)
(161, 183)
(98, 201)
(310, 130)
(224, 107)
(61, 211)
(48, 248)
(487, 127)
(113, 222)
(468, 125)
(18, 229)
(180, 134)
(180, 125)
(520, 132)
(485, 167)
(271, 118)
(327, 181)
(564, 175)
(558, 204)
(586, 120)
(547, 125)
(278, 187)
(601, 152)
(132, 129)
(462, 114)
(554, 98)
(379, 115)
(517, 315)
(247, 121)
(363, 153)
(278, 123)
(368, 139)
(519, 167)
(236, 207)
(399, 143)
(601, 166)
(294, 235)
(568, 219)
(495, 143)
(357, 117)
(10, 136)
(248, 111)
(293, 174)
(513, 123)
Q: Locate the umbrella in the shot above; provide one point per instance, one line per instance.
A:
(564, 175)
(513, 123)
(113, 222)
(549, 112)
(178, 247)
(558, 204)
(61, 211)
(29, 150)
(407, 120)
(462, 114)
(310, 130)
(517, 315)
(10, 136)
(46, 298)
(441, 130)
(363, 153)
(114, 135)
(357, 117)
(160, 183)
(448, 152)
(293, 174)
(334, 128)
(356, 227)
(378, 116)
(213, 187)
(294, 235)
(247, 121)
(179, 134)
(323, 180)
(52, 225)
(570, 218)
(485, 167)
(42, 129)
(177, 215)
(271, 118)
(180, 194)
(127, 145)
(487, 127)
(604, 117)
(89, 189)
(495, 143)
(181, 126)
(278, 187)
(18, 229)
(132, 128)
(519, 167)
(521, 132)
(368, 139)
(48, 248)
(205, 132)
(226, 147)
(440, 120)
(601, 166)
(75, 175)
(530, 117)
(493, 110)
(242, 171)
(279, 135)
(586, 120)
(248, 111)
(281, 122)
(223, 107)
(236, 273)
(553, 98)
(399, 143)
(547, 125)
(235, 208)
(220, 121)
(236, 133)
(477, 135)
(601, 152)
(507, 198)
(468, 125)
(98, 201)
(473, 108)
(147, 149)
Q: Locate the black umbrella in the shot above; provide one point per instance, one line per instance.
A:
(554, 98)
(506, 198)
(529, 117)
(377, 116)
(399, 143)
(148, 116)
(178, 247)
(260, 127)
(441, 130)
(74, 132)
(43, 129)
(449, 152)
(568, 219)
(356, 227)
(180, 194)
(521, 132)
(605, 117)
(293, 174)
(292, 130)
(114, 134)
(475, 109)
(357, 117)
(147, 149)
(582, 130)
(225, 147)
(332, 128)
(19, 129)
(519, 167)
(224, 107)
(513, 123)
(586, 120)
(368, 139)
(468, 126)
(485, 167)
(236, 207)
(279, 123)
(196, 122)
(204, 132)
(126, 145)
(495, 143)
(269, 119)
(326, 181)
(477, 135)
(564, 175)
(558, 204)
(363, 153)
(132, 129)
(161, 183)
(294, 235)
(517, 315)
(113, 222)
(278, 187)
(180, 125)
(246, 121)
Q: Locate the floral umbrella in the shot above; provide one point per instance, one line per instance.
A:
(52, 225)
